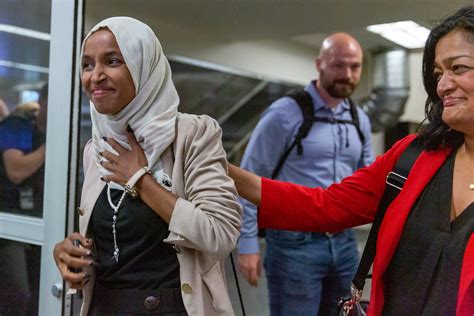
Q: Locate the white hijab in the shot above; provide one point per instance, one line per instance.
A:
(152, 113)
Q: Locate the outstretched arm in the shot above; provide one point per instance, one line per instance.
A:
(248, 184)
(350, 203)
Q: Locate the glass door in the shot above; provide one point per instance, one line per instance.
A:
(38, 95)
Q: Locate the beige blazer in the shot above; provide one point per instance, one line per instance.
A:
(206, 219)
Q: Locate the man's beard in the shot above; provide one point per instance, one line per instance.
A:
(339, 89)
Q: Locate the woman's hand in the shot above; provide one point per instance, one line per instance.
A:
(71, 258)
(124, 165)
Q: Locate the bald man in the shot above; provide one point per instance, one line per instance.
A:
(307, 272)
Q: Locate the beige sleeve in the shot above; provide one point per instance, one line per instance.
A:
(208, 218)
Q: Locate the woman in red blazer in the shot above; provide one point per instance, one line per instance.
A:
(424, 262)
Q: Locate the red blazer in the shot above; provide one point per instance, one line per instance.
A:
(354, 202)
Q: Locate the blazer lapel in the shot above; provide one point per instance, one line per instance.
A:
(91, 190)
(391, 229)
(465, 304)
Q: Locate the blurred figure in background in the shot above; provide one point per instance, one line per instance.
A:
(28, 109)
(22, 154)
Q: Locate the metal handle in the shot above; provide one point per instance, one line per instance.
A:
(57, 289)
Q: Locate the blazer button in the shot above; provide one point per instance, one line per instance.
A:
(187, 289)
(80, 210)
(151, 303)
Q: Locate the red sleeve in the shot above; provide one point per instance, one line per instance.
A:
(350, 203)
(465, 304)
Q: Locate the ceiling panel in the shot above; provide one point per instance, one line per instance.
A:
(241, 20)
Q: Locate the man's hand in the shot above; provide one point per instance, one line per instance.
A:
(250, 266)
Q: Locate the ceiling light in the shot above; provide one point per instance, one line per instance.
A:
(25, 32)
(27, 67)
(404, 33)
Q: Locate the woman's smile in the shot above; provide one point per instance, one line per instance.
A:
(452, 101)
(101, 92)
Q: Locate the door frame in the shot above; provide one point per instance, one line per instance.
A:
(67, 19)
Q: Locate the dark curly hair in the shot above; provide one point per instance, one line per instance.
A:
(437, 134)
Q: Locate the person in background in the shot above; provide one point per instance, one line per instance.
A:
(22, 154)
(22, 148)
(158, 213)
(424, 261)
(28, 109)
(308, 272)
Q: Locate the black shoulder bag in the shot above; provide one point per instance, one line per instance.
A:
(352, 306)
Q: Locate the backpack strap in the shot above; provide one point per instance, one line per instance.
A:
(395, 181)
(305, 103)
(356, 121)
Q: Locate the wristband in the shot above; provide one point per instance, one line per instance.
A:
(130, 186)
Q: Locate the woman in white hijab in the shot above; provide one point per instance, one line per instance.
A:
(158, 213)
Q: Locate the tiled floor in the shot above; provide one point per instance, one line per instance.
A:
(255, 300)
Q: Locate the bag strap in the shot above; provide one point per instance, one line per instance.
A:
(305, 103)
(355, 119)
(395, 181)
(237, 285)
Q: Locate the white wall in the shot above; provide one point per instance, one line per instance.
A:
(275, 59)
(267, 58)
(415, 107)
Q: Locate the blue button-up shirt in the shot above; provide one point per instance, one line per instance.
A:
(331, 152)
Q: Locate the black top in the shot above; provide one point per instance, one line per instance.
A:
(145, 261)
(423, 276)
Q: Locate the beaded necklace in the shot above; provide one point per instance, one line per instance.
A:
(114, 219)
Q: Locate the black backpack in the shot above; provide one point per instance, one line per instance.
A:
(305, 103)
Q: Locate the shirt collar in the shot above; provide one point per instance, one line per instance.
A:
(319, 102)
